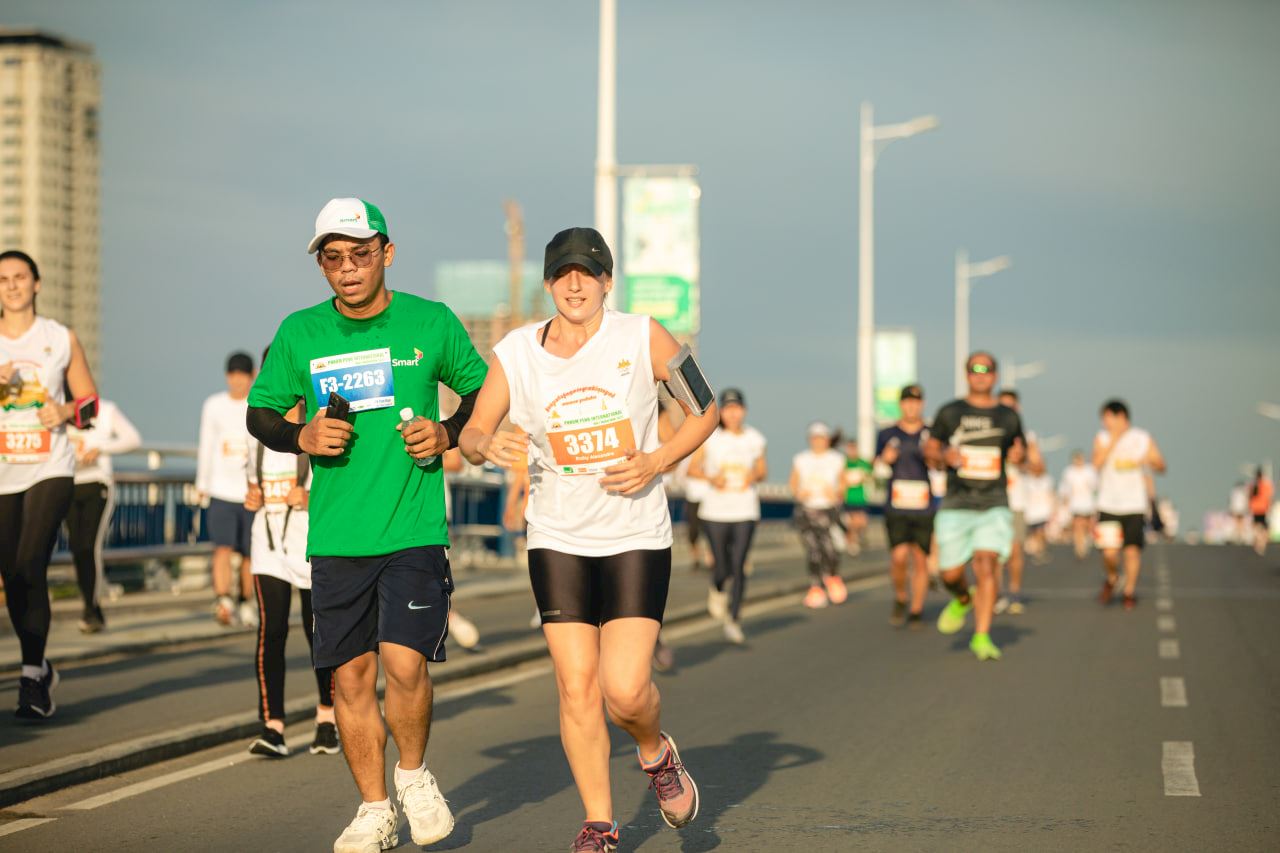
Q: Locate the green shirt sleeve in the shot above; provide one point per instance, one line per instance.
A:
(278, 386)
(462, 368)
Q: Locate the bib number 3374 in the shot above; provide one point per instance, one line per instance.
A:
(589, 448)
(364, 378)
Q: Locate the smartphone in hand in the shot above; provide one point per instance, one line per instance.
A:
(339, 407)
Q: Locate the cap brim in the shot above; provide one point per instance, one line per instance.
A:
(587, 261)
(358, 233)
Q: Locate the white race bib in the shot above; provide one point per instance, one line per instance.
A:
(910, 494)
(979, 463)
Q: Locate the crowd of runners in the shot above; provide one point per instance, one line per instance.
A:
(322, 471)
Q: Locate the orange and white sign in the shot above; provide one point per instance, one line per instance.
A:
(910, 494)
(589, 430)
(25, 445)
(979, 463)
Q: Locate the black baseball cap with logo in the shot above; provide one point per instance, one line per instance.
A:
(582, 246)
(732, 397)
(912, 392)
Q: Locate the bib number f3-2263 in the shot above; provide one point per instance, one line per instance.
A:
(353, 381)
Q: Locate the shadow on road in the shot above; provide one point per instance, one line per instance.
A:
(727, 774)
(1002, 634)
(691, 656)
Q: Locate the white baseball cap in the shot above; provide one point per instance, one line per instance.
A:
(350, 217)
(818, 428)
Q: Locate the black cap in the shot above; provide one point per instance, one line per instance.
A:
(582, 246)
(239, 362)
(732, 396)
(912, 392)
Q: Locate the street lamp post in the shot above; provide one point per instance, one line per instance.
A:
(871, 141)
(1012, 373)
(606, 218)
(965, 273)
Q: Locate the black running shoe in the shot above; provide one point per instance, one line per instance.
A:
(326, 740)
(270, 743)
(898, 617)
(92, 621)
(914, 621)
(35, 695)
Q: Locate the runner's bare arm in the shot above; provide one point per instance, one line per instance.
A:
(760, 470)
(481, 439)
(1155, 459)
(1101, 452)
(79, 382)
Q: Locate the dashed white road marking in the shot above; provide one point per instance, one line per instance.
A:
(1167, 624)
(25, 823)
(1173, 692)
(1179, 767)
(1170, 649)
(1164, 603)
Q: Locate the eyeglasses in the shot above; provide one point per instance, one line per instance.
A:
(981, 369)
(362, 257)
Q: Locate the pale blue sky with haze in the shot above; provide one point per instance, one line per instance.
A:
(1123, 154)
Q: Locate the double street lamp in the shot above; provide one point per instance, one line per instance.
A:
(871, 141)
(965, 273)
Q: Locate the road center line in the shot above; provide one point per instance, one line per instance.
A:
(25, 823)
(1164, 603)
(1167, 624)
(1179, 767)
(1173, 692)
(1170, 650)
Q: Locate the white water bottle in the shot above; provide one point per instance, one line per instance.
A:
(406, 418)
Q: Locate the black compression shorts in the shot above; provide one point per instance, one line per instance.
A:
(595, 590)
(909, 529)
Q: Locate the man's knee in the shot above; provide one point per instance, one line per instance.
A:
(356, 680)
(406, 670)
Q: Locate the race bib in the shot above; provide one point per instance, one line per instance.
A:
(235, 448)
(363, 378)
(25, 445)
(1108, 535)
(589, 430)
(979, 463)
(853, 477)
(910, 494)
(276, 489)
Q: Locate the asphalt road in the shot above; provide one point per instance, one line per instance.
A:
(829, 730)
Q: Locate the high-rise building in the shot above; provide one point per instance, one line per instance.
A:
(49, 172)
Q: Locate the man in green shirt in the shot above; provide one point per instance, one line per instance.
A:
(857, 475)
(377, 538)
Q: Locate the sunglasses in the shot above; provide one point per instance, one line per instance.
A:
(981, 369)
(362, 257)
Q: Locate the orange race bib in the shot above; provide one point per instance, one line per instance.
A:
(1108, 535)
(25, 445)
(589, 430)
(910, 494)
(275, 490)
(979, 463)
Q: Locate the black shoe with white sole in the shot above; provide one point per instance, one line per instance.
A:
(35, 695)
(326, 740)
(270, 743)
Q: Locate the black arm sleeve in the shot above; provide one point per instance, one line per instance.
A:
(270, 427)
(453, 426)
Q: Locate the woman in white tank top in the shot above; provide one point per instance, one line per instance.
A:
(582, 388)
(39, 359)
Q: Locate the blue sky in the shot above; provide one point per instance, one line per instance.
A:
(1122, 154)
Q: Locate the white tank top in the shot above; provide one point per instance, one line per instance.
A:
(582, 414)
(1122, 482)
(29, 453)
(734, 455)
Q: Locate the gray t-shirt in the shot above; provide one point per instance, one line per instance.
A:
(983, 437)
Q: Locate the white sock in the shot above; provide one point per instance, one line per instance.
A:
(380, 804)
(404, 777)
(36, 672)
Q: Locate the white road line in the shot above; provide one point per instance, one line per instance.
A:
(1164, 603)
(1167, 624)
(1173, 692)
(25, 823)
(1179, 767)
(1170, 650)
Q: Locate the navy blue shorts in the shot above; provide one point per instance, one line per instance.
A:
(229, 525)
(359, 602)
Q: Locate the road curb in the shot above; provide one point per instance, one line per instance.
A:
(37, 780)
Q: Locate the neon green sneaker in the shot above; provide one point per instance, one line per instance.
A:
(951, 619)
(983, 648)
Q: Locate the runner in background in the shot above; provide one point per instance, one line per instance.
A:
(1010, 595)
(220, 465)
(1238, 505)
(93, 501)
(816, 475)
(909, 510)
(1040, 507)
(1259, 505)
(857, 477)
(1078, 489)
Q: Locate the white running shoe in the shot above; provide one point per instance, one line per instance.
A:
(248, 614)
(717, 604)
(373, 831)
(733, 633)
(1002, 604)
(463, 630)
(428, 814)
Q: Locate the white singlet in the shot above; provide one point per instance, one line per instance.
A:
(224, 448)
(111, 433)
(29, 453)
(283, 555)
(1122, 482)
(819, 476)
(734, 455)
(583, 413)
(1079, 483)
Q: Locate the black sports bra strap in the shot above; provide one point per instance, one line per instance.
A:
(546, 330)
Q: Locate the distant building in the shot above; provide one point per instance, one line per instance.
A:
(479, 292)
(50, 95)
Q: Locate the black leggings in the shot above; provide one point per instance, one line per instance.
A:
(693, 524)
(594, 590)
(87, 521)
(274, 598)
(730, 542)
(815, 532)
(29, 523)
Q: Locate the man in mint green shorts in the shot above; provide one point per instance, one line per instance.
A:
(377, 538)
(973, 438)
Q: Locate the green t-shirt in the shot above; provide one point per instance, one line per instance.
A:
(373, 499)
(857, 472)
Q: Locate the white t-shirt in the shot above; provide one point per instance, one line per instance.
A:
(110, 434)
(1239, 501)
(1078, 488)
(582, 414)
(734, 455)
(1014, 477)
(820, 478)
(224, 448)
(1122, 482)
(279, 535)
(1038, 491)
(29, 453)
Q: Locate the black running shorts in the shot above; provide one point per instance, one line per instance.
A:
(229, 525)
(595, 590)
(359, 602)
(1133, 527)
(909, 529)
